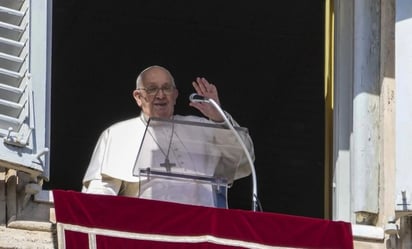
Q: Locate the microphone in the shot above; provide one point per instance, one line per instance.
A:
(194, 97)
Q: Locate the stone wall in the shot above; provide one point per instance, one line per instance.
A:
(26, 239)
(27, 217)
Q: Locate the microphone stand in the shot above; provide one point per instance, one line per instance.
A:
(194, 98)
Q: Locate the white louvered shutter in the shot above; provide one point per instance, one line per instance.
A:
(25, 45)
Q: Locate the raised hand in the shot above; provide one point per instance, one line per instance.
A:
(209, 90)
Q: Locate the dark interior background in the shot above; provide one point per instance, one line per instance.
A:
(266, 58)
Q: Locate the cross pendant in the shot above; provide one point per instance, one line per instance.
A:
(168, 165)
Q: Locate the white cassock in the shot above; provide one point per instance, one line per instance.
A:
(111, 168)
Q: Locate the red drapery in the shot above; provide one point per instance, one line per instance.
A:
(122, 222)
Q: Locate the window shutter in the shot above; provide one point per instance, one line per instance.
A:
(25, 45)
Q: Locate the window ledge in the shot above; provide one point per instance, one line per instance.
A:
(44, 196)
(368, 232)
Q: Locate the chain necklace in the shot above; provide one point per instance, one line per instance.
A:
(166, 164)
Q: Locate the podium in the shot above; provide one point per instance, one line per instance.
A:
(188, 162)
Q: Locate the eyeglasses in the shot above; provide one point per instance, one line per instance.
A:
(154, 90)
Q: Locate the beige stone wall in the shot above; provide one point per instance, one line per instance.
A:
(24, 221)
(26, 239)
(387, 127)
(364, 244)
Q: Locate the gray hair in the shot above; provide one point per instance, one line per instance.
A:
(139, 80)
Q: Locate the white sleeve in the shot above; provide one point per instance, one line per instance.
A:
(106, 186)
(244, 168)
(94, 169)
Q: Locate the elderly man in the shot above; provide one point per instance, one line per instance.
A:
(111, 166)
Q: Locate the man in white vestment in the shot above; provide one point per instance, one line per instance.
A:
(110, 170)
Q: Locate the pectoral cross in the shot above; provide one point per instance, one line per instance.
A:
(168, 165)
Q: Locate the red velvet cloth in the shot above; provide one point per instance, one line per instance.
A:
(149, 217)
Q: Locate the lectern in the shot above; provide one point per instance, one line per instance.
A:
(188, 162)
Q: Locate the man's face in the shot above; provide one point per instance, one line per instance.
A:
(157, 95)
